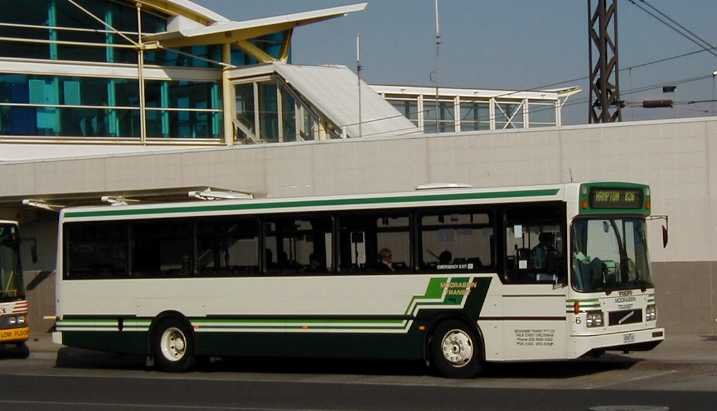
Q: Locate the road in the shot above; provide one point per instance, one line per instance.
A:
(82, 380)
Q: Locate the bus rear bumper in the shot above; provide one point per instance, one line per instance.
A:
(639, 340)
(14, 335)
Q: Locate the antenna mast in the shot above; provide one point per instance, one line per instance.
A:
(358, 72)
(436, 67)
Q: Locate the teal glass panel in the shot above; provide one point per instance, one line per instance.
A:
(288, 111)
(182, 94)
(32, 12)
(87, 91)
(271, 44)
(172, 58)
(120, 15)
(268, 112)
(182, 124)
(67, 122)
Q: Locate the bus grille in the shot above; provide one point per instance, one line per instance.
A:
(625, 317)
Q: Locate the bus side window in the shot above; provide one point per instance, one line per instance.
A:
(456, 242)
(374, 243)
(227, 246)
(297, 246)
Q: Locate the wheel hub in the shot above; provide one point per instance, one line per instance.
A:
(457, 348)
(173, 344)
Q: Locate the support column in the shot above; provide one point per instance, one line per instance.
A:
(140, 68)
(227, 96)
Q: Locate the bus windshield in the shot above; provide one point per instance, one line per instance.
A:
(11, 286)
(609, 254)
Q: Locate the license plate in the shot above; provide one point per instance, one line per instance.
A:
(628, 338)
(12, 335)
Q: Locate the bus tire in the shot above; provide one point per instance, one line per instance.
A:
(22, 350)
(456, 351)
(172, 345)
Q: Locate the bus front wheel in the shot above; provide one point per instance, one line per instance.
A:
(173, 345)
(456, 350)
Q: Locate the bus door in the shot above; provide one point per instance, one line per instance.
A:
(534, 282)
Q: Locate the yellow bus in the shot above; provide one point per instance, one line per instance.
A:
(14, 328)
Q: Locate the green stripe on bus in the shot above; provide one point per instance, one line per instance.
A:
(251, 205)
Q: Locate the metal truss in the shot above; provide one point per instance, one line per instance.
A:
(605, 104)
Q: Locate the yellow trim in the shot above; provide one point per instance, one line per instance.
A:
(260, 55)
(173, 10)
(15, 335)
(286, 46)
(227, 37)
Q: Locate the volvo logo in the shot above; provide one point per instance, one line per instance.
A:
(626, 317)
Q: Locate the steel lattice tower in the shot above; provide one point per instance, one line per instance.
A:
(605, 104)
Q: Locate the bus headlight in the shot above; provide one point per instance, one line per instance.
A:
(12, 321)
(21, 320)
(593, 319)
(651, 312)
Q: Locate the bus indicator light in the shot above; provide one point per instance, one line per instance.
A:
(576, 307)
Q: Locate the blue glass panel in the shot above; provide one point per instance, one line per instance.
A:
(67, 122)
(32, 12)
(172, 58)
(183, 124)
(182, 94)
(87, 91)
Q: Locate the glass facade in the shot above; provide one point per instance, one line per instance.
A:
(61, 31)
(475, 115)
(54, 106)
(438, 120)
(90, 105)
(267, 111)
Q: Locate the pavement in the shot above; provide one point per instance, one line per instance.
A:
(679, 374)
(679, 349)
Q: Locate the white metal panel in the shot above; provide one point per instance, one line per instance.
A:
(334, 91)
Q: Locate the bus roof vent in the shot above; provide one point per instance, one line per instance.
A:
(210, 194)
(442, 186)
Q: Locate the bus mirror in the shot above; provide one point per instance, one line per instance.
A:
(665, 236)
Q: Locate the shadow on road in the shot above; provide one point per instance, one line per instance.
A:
(85, 359)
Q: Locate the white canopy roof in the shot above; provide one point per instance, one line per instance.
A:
(334, 92)
(274, 24)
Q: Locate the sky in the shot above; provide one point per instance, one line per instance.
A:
(506, 44)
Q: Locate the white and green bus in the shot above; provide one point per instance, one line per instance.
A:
(14, 329)
(455, 277)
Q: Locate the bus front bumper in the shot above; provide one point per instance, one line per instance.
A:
(14, 335)
(638, 340)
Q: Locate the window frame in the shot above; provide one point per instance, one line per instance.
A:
(472, 209)
(559, 206)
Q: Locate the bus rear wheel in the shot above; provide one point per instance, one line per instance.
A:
(22, 350)
(456, 350)
(173, 345)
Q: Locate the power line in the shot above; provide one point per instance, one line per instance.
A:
(690, 32)
(686, 33)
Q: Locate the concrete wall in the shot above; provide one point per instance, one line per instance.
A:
(674, 156)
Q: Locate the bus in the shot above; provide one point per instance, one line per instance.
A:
(455, 277)
(14, 328)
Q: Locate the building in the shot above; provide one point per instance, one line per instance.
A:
(152, 73)
(461, 109)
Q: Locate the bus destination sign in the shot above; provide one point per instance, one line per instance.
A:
(615, 198)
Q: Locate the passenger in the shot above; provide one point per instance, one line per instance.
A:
(385, 263)
(445, 257)
(544, 251)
